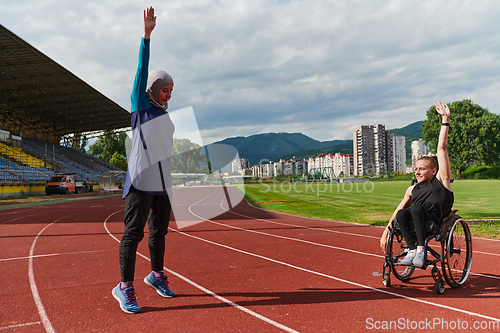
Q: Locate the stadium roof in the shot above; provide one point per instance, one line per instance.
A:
(42, 100)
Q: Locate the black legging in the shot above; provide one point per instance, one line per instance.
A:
(140, 208)
(418, 214)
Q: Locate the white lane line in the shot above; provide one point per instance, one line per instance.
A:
(485, 275)
(488, 253)
(285, 237)
(20, 325)
(298, 239)
(313, 228)
(359, 225)
(22, 217)
(37, 256)
(318, 273)
(341, 222)
(339, 279)
(34, 290)
(31, 275)
(38, 208)
(205, 290)
(51, 255)
(318, 244)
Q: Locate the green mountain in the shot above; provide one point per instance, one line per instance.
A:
(274, 146)
(411, 132)
(343, 147)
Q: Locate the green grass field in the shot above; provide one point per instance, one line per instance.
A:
(373, 203)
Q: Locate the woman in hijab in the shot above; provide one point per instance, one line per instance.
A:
(147, 187)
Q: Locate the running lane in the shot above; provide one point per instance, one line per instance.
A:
(246, 269)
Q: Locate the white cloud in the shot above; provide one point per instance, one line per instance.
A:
(318, 67)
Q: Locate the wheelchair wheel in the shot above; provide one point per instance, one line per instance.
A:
(386, 279)
(456, 252)
(396, 250)
(439, 286)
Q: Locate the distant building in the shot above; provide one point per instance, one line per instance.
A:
(257, 171)
(289, 168)
(321, 166)
(313, 163)
(418, 149)
(372, 147)
(300, 167)
(278, 168)
(343, 165)
(240, 164)
(398, 153)
(267, 170)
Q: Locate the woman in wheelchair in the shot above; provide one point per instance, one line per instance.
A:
(431, 199)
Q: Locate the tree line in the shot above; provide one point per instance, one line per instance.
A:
(474, 135)
(473, 141)
(110, 147)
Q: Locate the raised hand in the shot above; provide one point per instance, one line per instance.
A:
(149, 22)
(443, 109)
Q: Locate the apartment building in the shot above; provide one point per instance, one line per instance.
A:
(280, 168)
(300, 167)
(398, 153)
(343, 165)
(418, 149)
(257, 171)
(240, 164)
(372, 147)
(321, 165)
(267, 170)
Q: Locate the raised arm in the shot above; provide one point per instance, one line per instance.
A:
(444, 172)
(149, 22)
(138, 98)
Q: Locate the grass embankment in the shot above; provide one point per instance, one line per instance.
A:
(373, 203)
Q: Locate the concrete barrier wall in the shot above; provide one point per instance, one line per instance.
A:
(20, 190)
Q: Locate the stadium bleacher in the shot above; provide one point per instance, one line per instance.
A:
(37, 161)
(31, 108)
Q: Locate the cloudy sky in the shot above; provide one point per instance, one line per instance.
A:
(322, 68)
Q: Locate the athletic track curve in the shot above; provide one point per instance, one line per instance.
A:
(246, 270)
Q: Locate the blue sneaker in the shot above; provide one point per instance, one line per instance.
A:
(159, 284)
(127, 299)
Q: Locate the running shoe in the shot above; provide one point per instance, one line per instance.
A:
(408, 259)
(418, 261)
(159, 284)
(126, 298)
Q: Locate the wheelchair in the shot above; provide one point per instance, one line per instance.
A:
(455, 253)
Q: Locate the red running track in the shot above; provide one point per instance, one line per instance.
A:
(246, 270)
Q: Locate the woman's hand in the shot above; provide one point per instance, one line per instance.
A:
(383, 239)
(443, 110)
(149, 22)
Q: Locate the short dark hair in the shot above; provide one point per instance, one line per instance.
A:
(431, 160)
